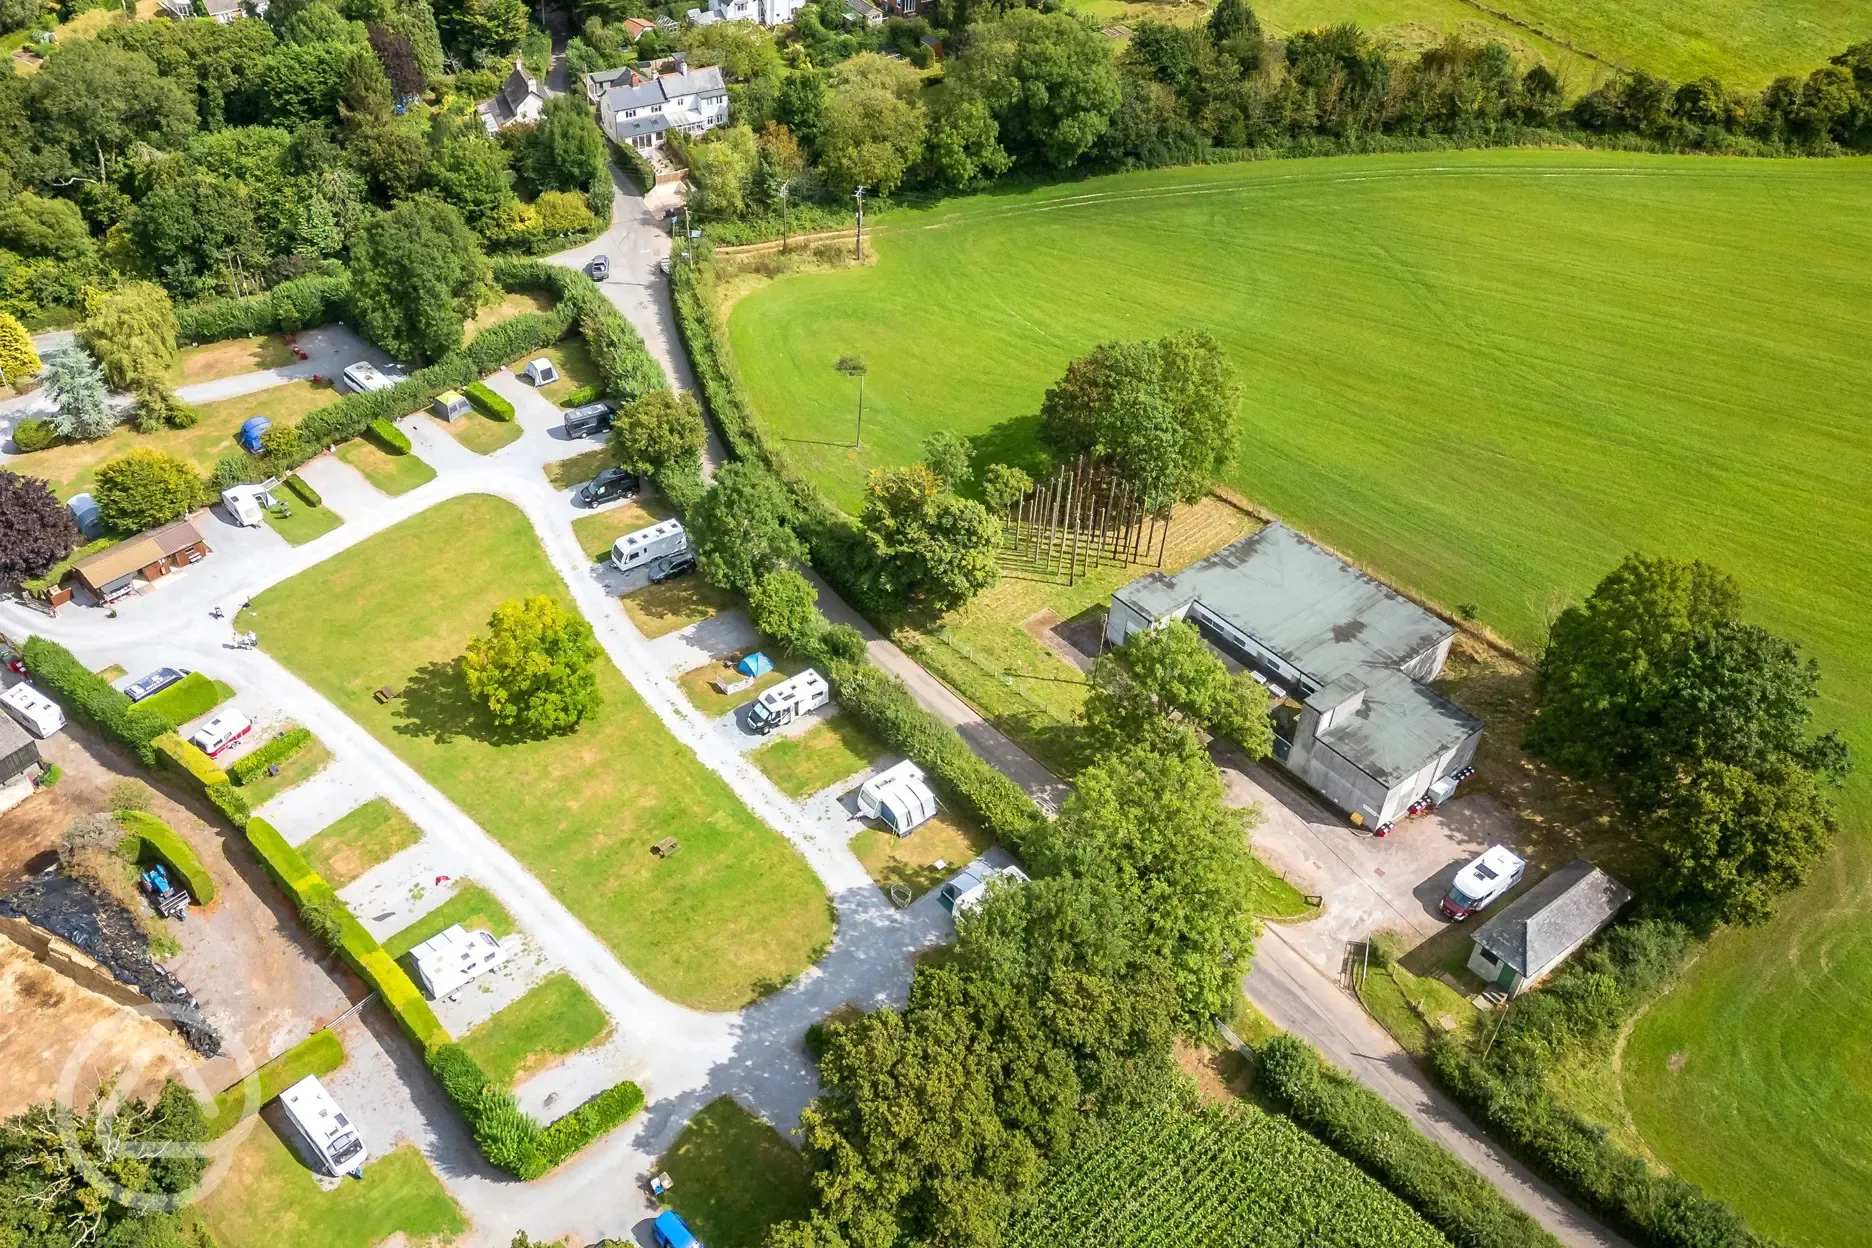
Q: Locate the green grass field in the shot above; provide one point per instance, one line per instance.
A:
(481, 434)
(553, 1020)
(737, 912)
(471, 906)
(1488, 375)
(308, 762)
(821, 756)
(369, 836)
(393, 474)
(269, 1197)
(305, 523)
(735, 1176)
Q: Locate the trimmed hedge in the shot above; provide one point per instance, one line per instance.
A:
(512, 1139)
(488, 403)
(1357, 1123)
(282, 747)
(388, 437)
(188, 759)
(55, 669)
(152, 836)
(583, 395)
(229, 803)
(303, 488)
(642, 174)
(193, 695)
(608, 1110)
(299, 304)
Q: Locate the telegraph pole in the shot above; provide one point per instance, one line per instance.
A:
(858, 236)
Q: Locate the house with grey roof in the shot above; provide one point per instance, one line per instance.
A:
(1540, 929)
(642, 113)
(222, 11)
(1346, 661)
(519, 101)
(20, 764)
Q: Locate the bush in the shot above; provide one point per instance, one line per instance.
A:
(33, 434)
(157, 839)
(298, 304)
(842, 641)
(388, 436)
(510, 1138)
(55, 669)
(237, 468)
(193, 695)
(489, 404)
(282, 747)
(642, 174)
(189, 760)
(142, 489)
(51, 775)
(583, 395)
(601, 1114)
(303, 489)
(229, 803)
(1358, 1124)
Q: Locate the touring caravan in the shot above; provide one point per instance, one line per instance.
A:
(221, 731)
(970, 887)
(789, 700)
(35, 712)
(644, 548)
(899, 798)
(330, 1135)
(455, 957)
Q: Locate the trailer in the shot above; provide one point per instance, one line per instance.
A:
(248, 504)
(34, 712)
(788, 700)
(330, 1135)
(661, 541)
(456, 957)
(899, 798)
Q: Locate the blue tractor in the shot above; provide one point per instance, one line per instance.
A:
(165, 898)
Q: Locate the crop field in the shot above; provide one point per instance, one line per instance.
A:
(737, 912)
(1237, 1176)
(1487, 375)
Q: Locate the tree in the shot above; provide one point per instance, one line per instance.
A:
(466, 168)
(1734, 840)
(1163, 677)
(143, 489)
(75, 384)
(533, 668)
(721, 169)
(50, 228)
(740, 527)
(417, 275)
(869, 138)
(744, 50)
(491, 27)
(94, 100)
(784, 605)
(1048, 78)
(927, 544)
(196, 234)
(567, 151)
(873, 71)
(800, 106)
(964, 142)
(660, 431)
(19, 359)
(1003, 485)
(1163, 412)
(133, 334)
(398, 56)
(1235, 30)
(948, 456)
(153, 406)
(36, 530)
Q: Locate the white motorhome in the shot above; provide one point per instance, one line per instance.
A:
(221, 731)
(317, 1118)
(789, 700)
(1483, 882)
(899, 798)
(363, 377)
(35, 712)
(455, 957)
(967, 890)
(661, 540)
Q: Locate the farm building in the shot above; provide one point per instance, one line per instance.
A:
(112, 573)
(1539, 929)
(19, 764)
(1345, 659)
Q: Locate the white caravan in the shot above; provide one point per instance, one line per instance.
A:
(789, 700)
(35, 712)
(644, 547)
(966, 890)
(330, 1135)
(455, 957)
(899, 798)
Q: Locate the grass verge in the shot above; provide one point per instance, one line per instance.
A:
(393, 474)
(658, 610)
(480, 434)
(371, 835)
(307, 763)
(318, 1054)
(553, 1020)
(735, 1176)
(820, 757)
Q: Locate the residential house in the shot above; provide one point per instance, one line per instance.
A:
(222, 11)
(634, 27)
(112, 573)
(519, 101)
(1540, 929)
(1346, 661)
(766, 12)
(602, 80)
(641, 115)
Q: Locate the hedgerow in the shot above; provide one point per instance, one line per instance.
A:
(302, 303)
(150, 836)
(388, 437)
(303, 489)
(511, 1138)
(489, 404)
(82, 690)
(282, 747)
(195, 694)
(188, 759)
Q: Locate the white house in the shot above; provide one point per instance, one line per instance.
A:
(766, 12)
(520, 100)
(1543, 926)
(642, 114)
(222, 11)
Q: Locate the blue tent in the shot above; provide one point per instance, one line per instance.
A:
(755, 665)
(673, 1232)
(250, 432)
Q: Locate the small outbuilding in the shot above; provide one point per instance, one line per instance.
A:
(112, 573)
(19, 753)
(1541, 928)
(540, 372)
(450, 404)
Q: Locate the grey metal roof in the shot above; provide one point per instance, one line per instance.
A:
(1340, 627)
(18, 750)
(1561, 911)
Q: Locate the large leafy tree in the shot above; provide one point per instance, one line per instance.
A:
(659, 432)
(1163, 412)
(740, 527)
(1048, 78)
(1165, 677)
(133, 334)
(52, 228)
(36, 530)
(144, 488)
(417, 275)
(81, 403)
(567, 152)
(195, 233)
(533, 669)
(93, 100)
(1735, 839)
(467, 169)
(870, 137)
(927, 544)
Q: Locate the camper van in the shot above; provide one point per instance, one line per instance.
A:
(899, 798)
(1483, 882)
(221, 731)
(641, 549)
(456, 957)
(363, 378)
(582, 422)
(967, 889)
(327, 1132)
(788, 700)
(155, 682)
(35, 712)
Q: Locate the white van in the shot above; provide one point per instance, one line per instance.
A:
(640, 549)
(455, 957)
(222, 730)
(1483, 882)
(899, 798)
(35, 712)
(968, 889)
(363, 378)
(324, 1127)
(789, 700)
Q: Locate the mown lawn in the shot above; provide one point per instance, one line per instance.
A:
(553, 1020)
(369, 836)
(269, 1197)
(950, 838)
(193, 695)
(576, 368)
(481, 434)
(737, 912)
(578, 469)
(735, 1176)
(305, 523)
(821, 756)
(1487, 375)
(393, 474)
(471, 906)
(658, 610)
(699, 682)
(230, 358)
(308, 762)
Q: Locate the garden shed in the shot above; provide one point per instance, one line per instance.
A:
(19, 753)
(1541, 928)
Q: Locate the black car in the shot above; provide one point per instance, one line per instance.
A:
(671, 566)
(612, 483)
(582, 422)
(599, 268)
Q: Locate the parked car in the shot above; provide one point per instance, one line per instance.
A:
(155, 682)
(670, 1231)
(13, 661)
(669, 567)
(598, 268)
(221, 731)
(583, 422)
(612, 483)
(1483, 882)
